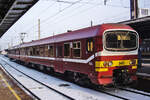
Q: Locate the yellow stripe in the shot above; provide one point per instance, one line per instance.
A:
(14, 93)
(115, 63)
(101, 69)
(134, 67)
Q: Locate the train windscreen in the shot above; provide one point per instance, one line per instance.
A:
(120, 40)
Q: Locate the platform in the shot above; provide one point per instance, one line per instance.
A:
(9, 90)
(144, 70)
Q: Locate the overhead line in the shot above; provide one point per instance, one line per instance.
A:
(74, 14)
(57, 13)
(72, 3)
(77, 14)
(112, 17)
(62, 10)
(43, 11)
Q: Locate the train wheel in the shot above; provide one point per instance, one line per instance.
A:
(32, 65)
(69, 75)
(41, 67)
(49, 70)
(81, 79)
(76, 77)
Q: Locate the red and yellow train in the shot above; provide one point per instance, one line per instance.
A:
(103, 54)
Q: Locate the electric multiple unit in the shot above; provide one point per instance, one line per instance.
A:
(103, 54)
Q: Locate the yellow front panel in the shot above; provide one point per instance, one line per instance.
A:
(99, 64)
(115, 63)
(134, 67)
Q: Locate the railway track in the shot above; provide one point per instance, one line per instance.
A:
(136, 91)
(127, 93)
(34, 95)
(117, 95)
(70, 98)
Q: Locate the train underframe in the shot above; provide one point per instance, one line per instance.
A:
(116, 76)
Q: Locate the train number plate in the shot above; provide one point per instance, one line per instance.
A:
(121, 63)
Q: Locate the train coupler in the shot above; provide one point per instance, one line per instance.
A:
(121, 77)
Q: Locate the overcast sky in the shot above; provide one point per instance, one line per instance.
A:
(58, 17)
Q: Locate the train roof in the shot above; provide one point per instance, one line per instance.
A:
(72, 35)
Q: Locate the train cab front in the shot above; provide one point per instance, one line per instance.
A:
(117, 62)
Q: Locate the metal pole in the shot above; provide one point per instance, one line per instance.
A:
(105, 1)
(22, 36)
(91, 23)
(134, 9)
(39, 29)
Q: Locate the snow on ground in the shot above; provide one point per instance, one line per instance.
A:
(128, 95)
(73, 90)
(41, 91)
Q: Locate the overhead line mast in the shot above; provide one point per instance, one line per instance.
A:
(39, 31)
(134, 12)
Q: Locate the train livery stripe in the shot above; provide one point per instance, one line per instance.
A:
(100, 53)
(134, 67)
(101, 69)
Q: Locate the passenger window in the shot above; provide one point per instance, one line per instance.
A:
(89, 45)
(59, 51)
(26, 51)
(34, 51)
(67, 49)
(41, 51)
(31, 51)
(77, 49)
(37, 51)
(51, 50)
(46, 51)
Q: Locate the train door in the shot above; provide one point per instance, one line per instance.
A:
(89, 46)
(59, 58)
(89, 53)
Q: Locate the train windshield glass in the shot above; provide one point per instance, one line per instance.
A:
(120, 40)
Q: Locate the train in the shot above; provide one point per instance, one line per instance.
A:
(105, 54)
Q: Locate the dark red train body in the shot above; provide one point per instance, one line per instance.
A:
(105, 54)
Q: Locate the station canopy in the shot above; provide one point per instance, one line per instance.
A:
(141, 25)
(11, 11)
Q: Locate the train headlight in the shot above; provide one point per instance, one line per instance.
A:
(107, 63)
(133, 62)
(110, 63)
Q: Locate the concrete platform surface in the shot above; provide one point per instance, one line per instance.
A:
(9, 90)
